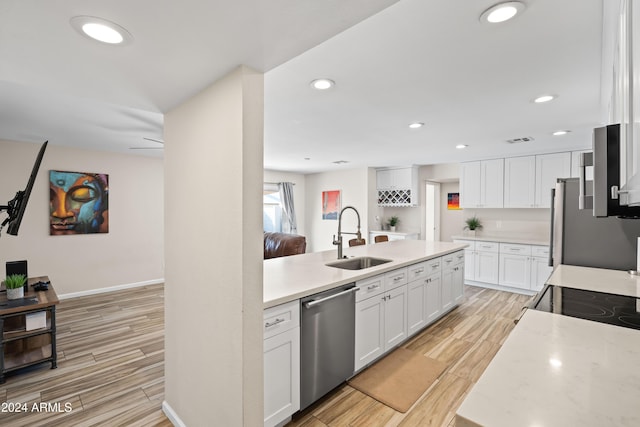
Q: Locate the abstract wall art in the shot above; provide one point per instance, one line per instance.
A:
(453, 201)
(330, 204)
(78, 203)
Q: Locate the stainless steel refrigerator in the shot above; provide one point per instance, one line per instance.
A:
(579, 238)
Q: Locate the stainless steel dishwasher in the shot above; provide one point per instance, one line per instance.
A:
(327, 342)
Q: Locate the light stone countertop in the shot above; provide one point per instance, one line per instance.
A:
(556, 370)
(505, 239)
(294, 277)
(596, 279)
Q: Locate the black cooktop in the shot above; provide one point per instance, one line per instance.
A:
(619, 310)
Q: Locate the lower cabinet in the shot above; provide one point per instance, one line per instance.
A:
(281, 358)
(392, 307)
(524, 266)
(514, 265)
(381, 315)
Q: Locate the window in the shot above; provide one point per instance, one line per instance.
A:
(271, 209)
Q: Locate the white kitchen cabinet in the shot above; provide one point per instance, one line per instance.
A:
(481, 261)
(458, 277)
(397, 186)
(416, 306)
(434, 296)
(281, 358)
(420, 308)
(452, 280)
(369, 331)
(515, 265)
(575, 165)
(381, 315)
(550, 167)
(519, 182)
(395, 317)
(524, 266)
(481, 184)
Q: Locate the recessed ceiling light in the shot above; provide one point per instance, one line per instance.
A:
(416, 125)
(502, 12)
(322, 84)
(544, 98)
(101, 30)
(561, 132)
(461, 146)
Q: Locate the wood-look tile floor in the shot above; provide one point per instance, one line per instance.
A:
(110, 365)
(466, 340)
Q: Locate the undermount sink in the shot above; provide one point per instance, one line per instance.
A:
(359, 263)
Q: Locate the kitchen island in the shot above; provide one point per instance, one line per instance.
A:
(351, 318)
(556, 370)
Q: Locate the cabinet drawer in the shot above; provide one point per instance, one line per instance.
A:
(418, 271)
(540, 251)
(448, 261)
(458, 257)
(434, 266)
(395, 278)
(369, 287)
(281, 318)
(471, 243)
(515, 249)
(487, 246)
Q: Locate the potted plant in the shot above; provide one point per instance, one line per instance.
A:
(393, 221)
(473, 224)
(15, 286)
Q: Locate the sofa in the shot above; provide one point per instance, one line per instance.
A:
(283, 244)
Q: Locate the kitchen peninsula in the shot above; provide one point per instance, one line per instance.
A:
(322, 324)
(294, 277)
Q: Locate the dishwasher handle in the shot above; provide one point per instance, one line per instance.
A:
(330, 297)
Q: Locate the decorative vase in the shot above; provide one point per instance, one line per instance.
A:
(471, 233)
(16, 293)
(392, 228)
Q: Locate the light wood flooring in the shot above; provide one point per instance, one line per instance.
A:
(466, 340)
(111, 365)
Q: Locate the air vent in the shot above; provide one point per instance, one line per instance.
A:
(519, 140)
(340, 162)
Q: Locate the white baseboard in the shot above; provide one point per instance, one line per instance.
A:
(171, 414)
(500, 287)
(110, 289)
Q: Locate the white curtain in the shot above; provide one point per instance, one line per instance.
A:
(289, 224)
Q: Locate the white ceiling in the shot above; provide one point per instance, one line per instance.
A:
(430, 61)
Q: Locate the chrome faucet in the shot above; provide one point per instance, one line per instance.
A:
(338, 242)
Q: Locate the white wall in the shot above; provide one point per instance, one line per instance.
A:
(354, 187)
(133, 250)
(214, 255)
(299, 193)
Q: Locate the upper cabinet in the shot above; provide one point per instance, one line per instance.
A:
(519, 182)
(550, 167)
(481, 184)
(397, 186)
(515, 182)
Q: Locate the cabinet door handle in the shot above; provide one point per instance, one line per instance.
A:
(435, 265)
(372, 287)
(275, 322)
(416, 272)
(395, 279)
